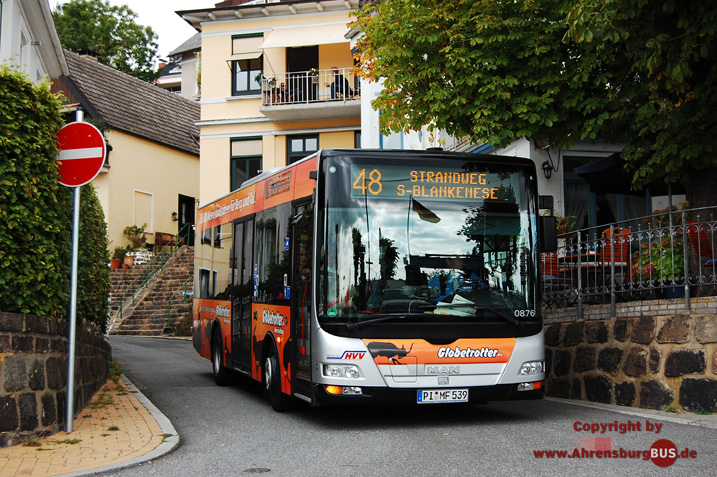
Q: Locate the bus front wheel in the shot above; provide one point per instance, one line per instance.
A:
(272, 383)
(221, 374)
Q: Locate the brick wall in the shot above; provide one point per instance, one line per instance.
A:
(33, 374)
(652, 355)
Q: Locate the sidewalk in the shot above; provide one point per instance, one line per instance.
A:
(119, 428)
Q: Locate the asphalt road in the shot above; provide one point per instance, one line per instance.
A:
(228, 431)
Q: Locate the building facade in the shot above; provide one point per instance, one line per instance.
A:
(277, 83)
(29, 41)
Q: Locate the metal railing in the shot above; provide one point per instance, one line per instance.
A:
(313, 86)
(128, 296)
(665, 255)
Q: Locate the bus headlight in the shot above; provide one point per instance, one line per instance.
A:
(531, 367)
(350, 371)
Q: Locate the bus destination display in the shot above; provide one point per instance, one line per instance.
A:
(398, 182)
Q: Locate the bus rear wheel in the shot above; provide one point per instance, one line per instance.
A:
(221, 374)
(280, 402)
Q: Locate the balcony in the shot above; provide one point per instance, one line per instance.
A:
(309, 95)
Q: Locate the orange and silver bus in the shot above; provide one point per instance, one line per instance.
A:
(357, 276)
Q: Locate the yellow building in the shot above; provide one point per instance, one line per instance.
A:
(150, 175)
(277, 83)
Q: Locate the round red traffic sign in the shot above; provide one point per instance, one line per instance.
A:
(82, 153)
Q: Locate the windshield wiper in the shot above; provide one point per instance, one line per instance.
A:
(502, 314)
(394, 316)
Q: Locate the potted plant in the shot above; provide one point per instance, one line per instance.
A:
(135, 235)
(314, 74)
(662, 258)
(270, 80)
(117, 256)
(565, 224)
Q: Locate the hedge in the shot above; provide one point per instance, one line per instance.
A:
(36, 213)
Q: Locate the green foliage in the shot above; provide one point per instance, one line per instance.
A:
(134, 234)
(658, 61)
(629, 72)
(36, 214)
(110, 33)
(490, 69)
(33, 214)
(662, 257)
(93, 278)
(119, 252)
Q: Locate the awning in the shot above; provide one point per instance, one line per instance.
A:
(326, 34)
(608, 176)
(252, 55)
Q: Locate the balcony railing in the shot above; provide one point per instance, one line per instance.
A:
(669, 255)
(314, 86)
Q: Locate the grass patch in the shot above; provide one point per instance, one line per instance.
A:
(702, 412)
(105, 435)
(71, 442)
(113, 428)
(113, 370)
(102, 401)
(31, 442)
(670, 409)
(165, 436)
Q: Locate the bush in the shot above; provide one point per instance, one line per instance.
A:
(33, 214)
(36, 214)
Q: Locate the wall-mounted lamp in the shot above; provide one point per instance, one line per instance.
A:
(547, 169)
(174, 216)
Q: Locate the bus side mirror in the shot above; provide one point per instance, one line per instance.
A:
(548, 233)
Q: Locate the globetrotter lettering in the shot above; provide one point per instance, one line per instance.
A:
(223, 311)
(457, 352)
(272, 318)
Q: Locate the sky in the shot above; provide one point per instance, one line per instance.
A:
(159, 14)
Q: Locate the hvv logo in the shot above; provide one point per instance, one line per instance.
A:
(349, 355)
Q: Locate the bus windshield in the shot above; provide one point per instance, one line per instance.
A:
(423, 240)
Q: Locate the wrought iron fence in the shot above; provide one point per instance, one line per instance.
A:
(301, 87)
(665, 255)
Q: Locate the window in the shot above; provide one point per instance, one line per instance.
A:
(244, 73)
(246, 64)
(203, 283)
(245, 161)
(298, 147)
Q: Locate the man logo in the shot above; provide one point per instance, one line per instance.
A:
(443, 370)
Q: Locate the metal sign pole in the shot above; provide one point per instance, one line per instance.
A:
(73, 303)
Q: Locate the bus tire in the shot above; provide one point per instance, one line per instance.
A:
(271, 372)
(222, 375)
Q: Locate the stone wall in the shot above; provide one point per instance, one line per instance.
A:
(652, 355)
(33, 374)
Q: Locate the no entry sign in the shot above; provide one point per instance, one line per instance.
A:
(82, 153)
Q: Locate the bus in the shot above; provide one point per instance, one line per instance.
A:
(377, 277)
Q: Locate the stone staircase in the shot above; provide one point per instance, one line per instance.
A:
(150, 314)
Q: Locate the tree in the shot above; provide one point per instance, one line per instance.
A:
(660, 65)
(631, 72)
(110, 33)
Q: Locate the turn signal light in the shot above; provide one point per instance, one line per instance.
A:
(334, 390)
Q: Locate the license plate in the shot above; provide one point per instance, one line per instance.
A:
(436, 396)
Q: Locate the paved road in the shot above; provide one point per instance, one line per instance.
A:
(232, 431)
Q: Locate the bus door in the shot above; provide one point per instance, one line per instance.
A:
(242, 291)
(303, 238)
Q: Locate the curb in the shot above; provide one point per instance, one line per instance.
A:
(708, 421)
(168, 445)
